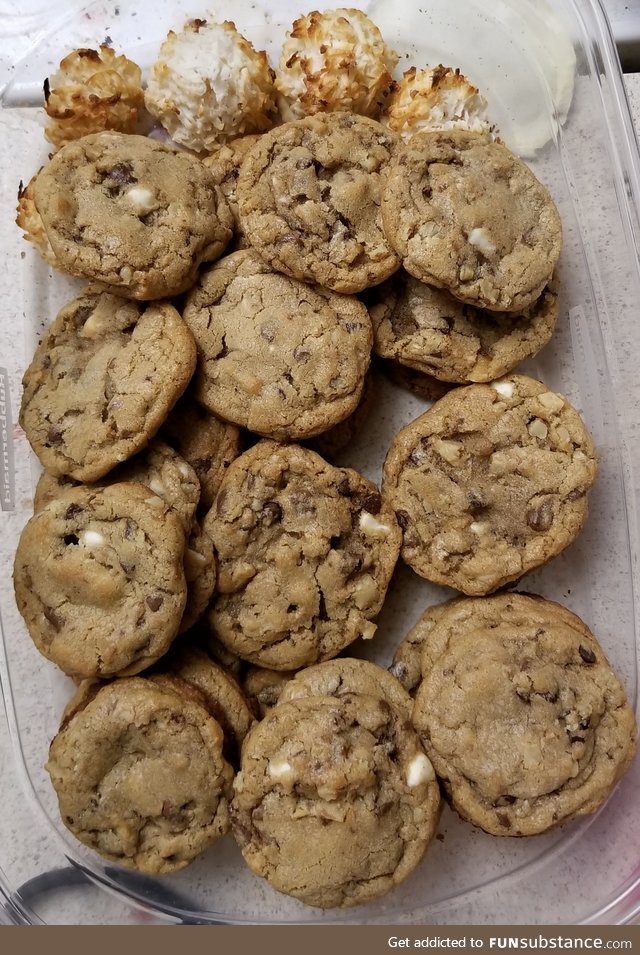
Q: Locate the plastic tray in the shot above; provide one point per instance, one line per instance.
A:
(584, 872)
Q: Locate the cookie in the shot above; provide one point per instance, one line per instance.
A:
(131, 213)
(223, 696)
(330, 443)
(407, 659)
(348, 675)
(208, 444)
(521, 715)
(200, 571)
(306, 551)
(140, 776)
(465, 214)
(422, 386)
(430, 330)
(309, 200)
(336, 802)
(99, 579)
(275, 356)
(102, 381)
(224, 165)
(263, 687)
(489, 483)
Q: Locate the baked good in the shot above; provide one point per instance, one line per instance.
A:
(29, 220)
(430, 330)
(333, 60)
(263, 687)
(345, 676)
(309, 200)
(131, 213)
(224, 165)
(92, 395)
(465, 214)
(200, 571)
(140, 776)
(210, 84)
(407, 659)
(330, 443)
(422, 386)
(305, 552)
(275, 356)
(438, 98)
(489, 483)
(335, 802)
(99, 579)
(207, 443)
(521, 715)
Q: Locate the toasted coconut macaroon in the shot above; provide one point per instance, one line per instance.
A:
(209, 84)
(93, 90)
(336, 60)
(441, 98)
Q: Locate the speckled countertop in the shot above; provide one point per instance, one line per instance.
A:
(27, 849)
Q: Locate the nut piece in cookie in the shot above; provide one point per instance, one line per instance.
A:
(102, 381)
(131, 213)
(335, 60)
(489, 483)
(278, 357)
(466, 214)
(441, 98)
(305, 554)
(140, 776)
(99, 579)
(520, 713)
(209, 84)
(427, 329)
(93, 90)
(336, 801)
(309, 200)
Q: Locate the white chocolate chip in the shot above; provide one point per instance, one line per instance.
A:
(479, 527)
(563, 435)
(368, 630)
(141, 200)
(551, 401)
(91, 538)
(193, 557)
(184, 469)
(579, 455)
(156, 502)
(480, 239)
(537, 428)
(420, 771)
(466, 273)
(372, 527)
(278, 768)
(156, 485)
(366, 592)
(503, 387)
(451, 451)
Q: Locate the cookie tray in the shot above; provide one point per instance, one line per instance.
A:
(555, 90)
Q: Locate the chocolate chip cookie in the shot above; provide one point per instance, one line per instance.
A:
(489, 483)
(309, 200)
(336, 801)
(430, 330)
(278, 357)
(102, 381)
(140, 777)
(200, 571)
(524, 720)
(99, 579)
(305, 551)
(131, 213)
(465, 214)
(407, 660)
(224, 165)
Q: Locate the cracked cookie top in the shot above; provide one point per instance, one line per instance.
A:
(428, 329)
(278, 357)
(524, 720)
(140, 777)
(336, 801)
(99, 579)
(465, 214)
(489, 483)
(309, 200)
(131, 213)
(102, 382)
(305, 554)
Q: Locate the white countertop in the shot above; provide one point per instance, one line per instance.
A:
(26, 850)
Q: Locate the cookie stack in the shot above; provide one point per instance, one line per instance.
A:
(198, 567)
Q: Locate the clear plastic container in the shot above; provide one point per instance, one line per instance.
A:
(534, 66)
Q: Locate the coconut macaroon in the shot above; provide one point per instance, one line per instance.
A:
(209, 84)
(92, 91)
(441, 98)
(336, 60)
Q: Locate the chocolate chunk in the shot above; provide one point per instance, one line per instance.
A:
(72, 511)
(504, 820)
(54, 618)
(403, 519)
(154, 602)
(122, 173)
(272, 513)
(576, 494)
(587, 655)
(541, 518)
(54, 436)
